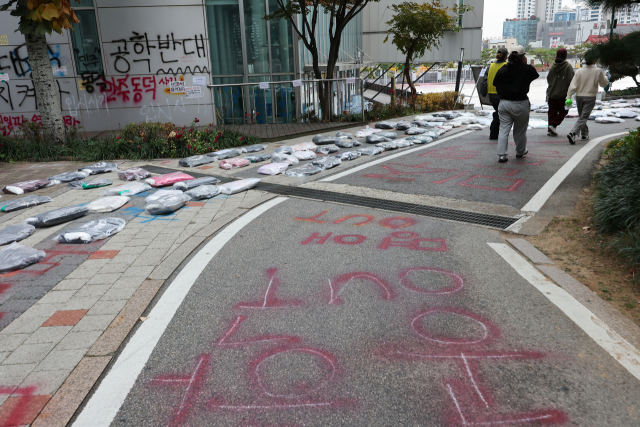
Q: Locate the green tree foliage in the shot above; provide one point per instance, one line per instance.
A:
(417, 27)
(621, 55)
(488, 54)
(544, 55)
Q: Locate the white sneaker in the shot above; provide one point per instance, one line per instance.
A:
(551, 131)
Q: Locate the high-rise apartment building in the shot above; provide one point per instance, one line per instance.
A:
(543, 9)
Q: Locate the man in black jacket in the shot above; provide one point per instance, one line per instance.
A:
(512, 82)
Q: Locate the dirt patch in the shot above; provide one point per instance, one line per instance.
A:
(577, 249)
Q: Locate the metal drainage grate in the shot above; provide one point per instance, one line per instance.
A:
(486, 220)
(494, 221)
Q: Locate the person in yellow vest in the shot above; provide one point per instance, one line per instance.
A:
(489, 88)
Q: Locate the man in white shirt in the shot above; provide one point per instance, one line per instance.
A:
(585, 85)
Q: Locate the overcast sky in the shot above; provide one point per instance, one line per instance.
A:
(496, 11)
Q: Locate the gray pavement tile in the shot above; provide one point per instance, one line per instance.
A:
(9, 342)
(139, 242)
(79, 340)
(530, 251)
(114, 267)
(32, 292)
(49, 334)
(64, 360)
(107, 307)
(128, 282)
(139, 270)
(81, 303)
(57, 297)
(29, 353)
(119, 293)
(42, 310)
(4, 355)
(25, 325)
(92, 290)
(46, 382)
(94, 323)
(104, 279)
(14, 375)
(70, 284)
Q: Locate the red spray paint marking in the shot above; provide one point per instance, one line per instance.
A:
(452, 153)
(456, 285)
(61, 251)
(516, 183)
(393, 222)
(218, 403)
(513, 171)
(316, 236)
(192, 384)
(412, 241)
(16, 417)
(394, 174)
(489, 330)
(313, 218)
(235, 325)
(368, 219)
(336, 285)
(442, 181)
(344, 239)
(270, 300)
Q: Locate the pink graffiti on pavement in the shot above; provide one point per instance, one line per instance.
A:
(456, 285)
(235, 325)
(368, 219)
(412, 241)
(339, 283)
(270, 300)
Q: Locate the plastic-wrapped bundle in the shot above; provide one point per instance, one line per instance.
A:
(88, 185)
(100, 167)
(430, 118)
(304, 146)
(167, 179)
(203, 192)
(467, 121)
(449, 115)
(609, 120)
(345, 143)
(239, 186)
(57, 216)
(422, 123)
(305, 155)
(370, 151)
(23, 203)
(91, 231)
(420, 139)
(15, 233)
(255, 148)
(348, 155)
(167, 204)
(403, 125)
(326, 149)
(475, 127)
(375, 139)
(17, 256)
(193, 183)
(322, 140)
(193, 161)
(454, 123)
(595, 114)
(535, 107)
(256, 158)
(133, 174)
(388, 135)
(326, 162)
(227, 153)
(69, 176)
(303, 171)
(622, 114)
(127, 189)
(386, 146)
(430, 133)
(282, 157)
(27, 186)
(542, 110)
(573, 113)
(161, 193)
(108, 204)
(484, 113)
(445, 128)
(273, 168)
(366, 132)
(386, 125)
(234, 164)
(415, 131)
(284, 149)
(537, 124)
(401, 143)
(344, 134)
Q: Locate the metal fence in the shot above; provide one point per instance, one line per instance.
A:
(295, 101)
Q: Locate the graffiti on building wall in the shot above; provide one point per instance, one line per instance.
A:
(17, 60)
(23, 95)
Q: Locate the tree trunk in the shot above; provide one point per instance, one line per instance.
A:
(45, 89)
(407, 75)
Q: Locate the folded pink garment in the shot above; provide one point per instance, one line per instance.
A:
(234, 163)
(168, 179)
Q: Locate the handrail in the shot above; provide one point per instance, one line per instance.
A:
(350, 57)
(283, 81)
(363, 52)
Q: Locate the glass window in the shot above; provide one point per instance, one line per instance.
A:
(86, 45)
(225, 38)
(256, 36)
(281, 42)
(83, 3)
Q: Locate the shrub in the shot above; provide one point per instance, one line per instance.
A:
(430, 102)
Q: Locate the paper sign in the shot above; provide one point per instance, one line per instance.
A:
(199, 80)
(482, 73)
(351, 80)
(297, 83)
(59, 71)
(4, 77)
(4, 39)
(264, 85)
(81, 85)
(176, 87)
(193, 92)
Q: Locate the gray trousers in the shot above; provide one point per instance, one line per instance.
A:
(516, 114)
(585, 106)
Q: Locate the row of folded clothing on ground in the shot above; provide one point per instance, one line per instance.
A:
(185, 188)
(605, 111)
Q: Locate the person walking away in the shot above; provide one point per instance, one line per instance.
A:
(512, 83)
(490, 89)
(585, 86)
(559, 78)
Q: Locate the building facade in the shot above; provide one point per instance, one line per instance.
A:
(523, 30)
